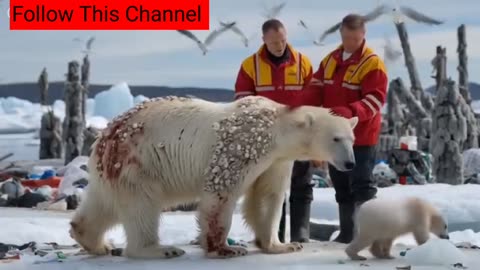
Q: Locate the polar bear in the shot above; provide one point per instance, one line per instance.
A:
(173, 150)
(380, 221)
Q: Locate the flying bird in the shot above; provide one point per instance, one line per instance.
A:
(239, 32)
(391, 54)
(210, 38)
(273, 12)
(88, 44)
(414, 15)
(396, 11)
(372, 15)
(316, 40)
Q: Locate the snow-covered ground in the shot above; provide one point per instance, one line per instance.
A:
(458, 203)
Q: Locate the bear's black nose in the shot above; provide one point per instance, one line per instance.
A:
(349, 165)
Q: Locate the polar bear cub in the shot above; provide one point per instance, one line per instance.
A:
(170, 151)
(379, 222)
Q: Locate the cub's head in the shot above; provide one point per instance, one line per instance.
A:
(316, 134)
(438, 226)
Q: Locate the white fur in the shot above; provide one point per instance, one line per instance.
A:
(175, 151)
(379, 222)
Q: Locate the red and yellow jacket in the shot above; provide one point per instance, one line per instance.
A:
(284, 83)
(354, 87)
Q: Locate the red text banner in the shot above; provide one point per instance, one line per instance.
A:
(109, 15)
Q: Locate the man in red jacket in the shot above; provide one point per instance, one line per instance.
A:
(352, 81)
(279, 72)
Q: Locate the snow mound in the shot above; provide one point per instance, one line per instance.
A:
(140, 98)
(466, 236)
(113, 101)
(436, 252)
(97, 122)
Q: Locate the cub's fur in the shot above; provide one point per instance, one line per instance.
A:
(380, 221)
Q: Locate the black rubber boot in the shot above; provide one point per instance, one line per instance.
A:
(281, 229)
(300, 221)
(346, 211)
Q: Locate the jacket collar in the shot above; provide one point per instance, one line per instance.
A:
(293, 54)
(354, 58)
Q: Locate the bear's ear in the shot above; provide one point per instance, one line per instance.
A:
(307, 121)
(353, 121)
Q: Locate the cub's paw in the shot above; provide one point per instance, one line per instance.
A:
(226, 252)
(283, 248)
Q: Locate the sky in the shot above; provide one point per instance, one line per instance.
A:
(170, 59)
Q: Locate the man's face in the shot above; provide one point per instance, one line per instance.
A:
(276, 41)
(352, 39)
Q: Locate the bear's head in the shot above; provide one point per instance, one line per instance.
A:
(314, 133)
(438, 226)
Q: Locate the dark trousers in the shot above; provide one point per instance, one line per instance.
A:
(356, 185)
(301, 190)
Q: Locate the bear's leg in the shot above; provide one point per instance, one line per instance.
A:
(141, 220)
(215, 212)
(421, 235)
(376, 249)
(91, 220)
(263, 209)
(360, 242)
(386, 248)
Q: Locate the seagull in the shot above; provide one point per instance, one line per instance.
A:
(391, 54)
(88, 45)
(315, 40)
(239, 32)
(210, 38)
(414, 15)
(372, 15)
(273, 12)
(396, 11)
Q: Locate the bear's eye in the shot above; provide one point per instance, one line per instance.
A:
(336, 139)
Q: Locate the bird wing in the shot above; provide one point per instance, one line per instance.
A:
(190, 35)
(75, 39)
(234, 29)
(304, 25)
(90, 42)
(273, 12)
(217, 32)
(329, 31)
(375, 13)
(418, 17)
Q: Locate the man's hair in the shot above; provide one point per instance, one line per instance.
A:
(272, 24)
(353, 22)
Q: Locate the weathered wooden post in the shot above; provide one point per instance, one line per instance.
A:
(472, 127)
(439, 64)
(395, 115)
(73, 123)
(418, 117)
(90, 135)
(50, 137)
(463, 64)
(43, 85)
(85, 84)
(449, 132)
(416, 85)
(50, 127)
